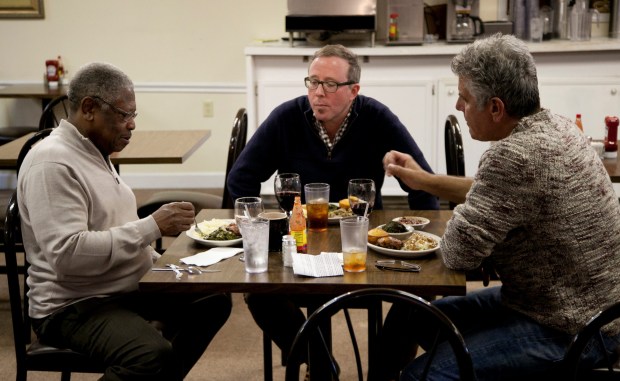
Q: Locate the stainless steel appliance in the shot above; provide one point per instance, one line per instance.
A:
(323, 20)
(462, 22)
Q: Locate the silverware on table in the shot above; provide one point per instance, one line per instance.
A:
(394, 265)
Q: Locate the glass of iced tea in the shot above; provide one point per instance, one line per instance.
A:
(353, 234)
(317, 206)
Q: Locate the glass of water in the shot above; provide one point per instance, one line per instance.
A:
(255, 244)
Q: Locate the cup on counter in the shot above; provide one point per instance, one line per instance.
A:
(278, 226)
(255, 244)
(353, 234)
(599, 147)
(317, 206)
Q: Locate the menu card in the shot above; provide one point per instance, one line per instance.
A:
(322, 265)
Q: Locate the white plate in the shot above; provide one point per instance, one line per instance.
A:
(212, 243)
(330, 220)
(407, 253)
(417, 227)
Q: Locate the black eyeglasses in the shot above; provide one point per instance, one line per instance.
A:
(127, 116)
(328, 86)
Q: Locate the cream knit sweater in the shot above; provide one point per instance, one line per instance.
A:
(80, 227)
(543, 211)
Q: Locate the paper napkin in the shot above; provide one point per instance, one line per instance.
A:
(324, 264)
(209, 257)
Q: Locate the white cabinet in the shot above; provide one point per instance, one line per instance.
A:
(447, 96)
(594, 98)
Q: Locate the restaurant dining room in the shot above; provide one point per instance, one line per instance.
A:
(206, 74)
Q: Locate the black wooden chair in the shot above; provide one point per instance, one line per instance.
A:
(202, 200)
(30, 354)
(455, 156)
(56, 109)
(589, 335)
(311, 330)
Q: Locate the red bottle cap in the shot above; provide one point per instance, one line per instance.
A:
(611, 121)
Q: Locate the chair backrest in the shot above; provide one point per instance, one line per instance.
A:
(455, 156)
(19, 312)
(312, 328)
(57, 109)
(238, 137)
(592, 333)
(29, 144)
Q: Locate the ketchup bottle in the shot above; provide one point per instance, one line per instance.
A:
(611, 136)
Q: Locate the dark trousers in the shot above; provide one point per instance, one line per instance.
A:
(280, 316)
(139, 336)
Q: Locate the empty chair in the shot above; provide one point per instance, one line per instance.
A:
(311, 333)
(589, 335)
(57, 109)
(202, 200)
(455, 156)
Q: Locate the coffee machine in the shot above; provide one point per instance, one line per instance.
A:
(463, 23)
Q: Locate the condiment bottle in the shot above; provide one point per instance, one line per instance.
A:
(61, 69)
(611, 136)
(393, 31)
(297, 226)
(289, 247)
(578, 122)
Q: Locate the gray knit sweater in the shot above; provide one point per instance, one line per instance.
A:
(543, 211)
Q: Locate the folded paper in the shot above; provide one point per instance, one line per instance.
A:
(209, 257)
(322, 265)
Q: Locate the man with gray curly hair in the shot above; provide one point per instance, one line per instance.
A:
(541, 210)
(88, 249)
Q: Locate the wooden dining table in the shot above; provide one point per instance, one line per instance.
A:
(433, 279)
(32, 91)
(145, 147)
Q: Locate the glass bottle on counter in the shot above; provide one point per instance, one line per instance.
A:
(297, 226)
(393, 31)
(578, 122)
(611, 137)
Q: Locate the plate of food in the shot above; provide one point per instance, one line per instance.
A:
(417, 245)
(336, 211)
(216, 232)
(339, 210)
(416, 222)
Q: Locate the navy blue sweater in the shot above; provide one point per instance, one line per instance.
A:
(288, 142)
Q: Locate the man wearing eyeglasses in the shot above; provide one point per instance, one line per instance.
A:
(88, 249)
(332, 135)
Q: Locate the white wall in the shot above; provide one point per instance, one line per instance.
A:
(179, 54)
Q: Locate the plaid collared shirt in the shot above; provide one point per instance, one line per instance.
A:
(325, 137)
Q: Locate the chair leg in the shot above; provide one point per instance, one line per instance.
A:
(65, 376)
(267, 359)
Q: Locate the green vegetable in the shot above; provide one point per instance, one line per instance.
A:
(222, 234)
(394, 227)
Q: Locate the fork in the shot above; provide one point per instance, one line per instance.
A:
(197, 229)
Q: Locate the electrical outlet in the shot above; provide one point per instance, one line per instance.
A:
(207, 109)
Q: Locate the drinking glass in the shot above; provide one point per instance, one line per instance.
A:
(362, 196)
(255, 244)
(317, 206)
(354, 235)
(286, 186)
(247, 208)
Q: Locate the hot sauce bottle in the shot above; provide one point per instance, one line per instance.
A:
(611, 136)
(297, 226)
